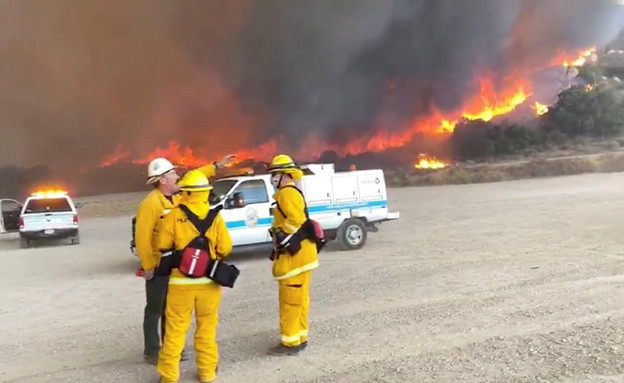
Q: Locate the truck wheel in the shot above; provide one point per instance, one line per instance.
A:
(75, 240)
(24, 243)
(352, 234)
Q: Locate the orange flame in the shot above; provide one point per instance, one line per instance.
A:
(186, 157)
(575, 59)
(428, 162)
(486, 105)
(540, 109)
(183, 157)
(489, 104)
(118, 154)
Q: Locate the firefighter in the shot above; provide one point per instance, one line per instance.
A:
(187, 294)
(162, 176)
(292, 271)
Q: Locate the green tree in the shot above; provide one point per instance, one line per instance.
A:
(480, 139)
(586, 112)
(591, 73)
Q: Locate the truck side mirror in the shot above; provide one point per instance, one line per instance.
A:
(236, 200)
(213, 199)
(239, 200)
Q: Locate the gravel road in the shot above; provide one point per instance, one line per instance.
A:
(507, 282)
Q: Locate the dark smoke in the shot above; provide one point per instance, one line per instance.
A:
(80, 76)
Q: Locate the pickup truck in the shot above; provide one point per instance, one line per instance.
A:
(47, 214)
(348, 205)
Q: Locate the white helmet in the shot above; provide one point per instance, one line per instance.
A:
(157, 168)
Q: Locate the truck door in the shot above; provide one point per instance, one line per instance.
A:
(247, 208)
(345, 189)
(9, 217)
(318, 190)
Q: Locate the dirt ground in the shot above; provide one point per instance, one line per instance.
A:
(506, 282)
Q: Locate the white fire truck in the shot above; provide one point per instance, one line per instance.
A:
(348, 205)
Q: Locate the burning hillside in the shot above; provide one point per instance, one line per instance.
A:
(193, 81)
(486, 104)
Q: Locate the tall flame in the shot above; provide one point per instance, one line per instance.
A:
(575, 59)
(486, 105)
(489, 104)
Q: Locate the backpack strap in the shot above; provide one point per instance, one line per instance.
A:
(305, 205)
(202, 225)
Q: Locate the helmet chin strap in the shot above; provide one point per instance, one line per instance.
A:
(277, 181)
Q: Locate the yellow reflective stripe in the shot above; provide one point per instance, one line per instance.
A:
(290, 339)
(290, 228)
(298, 271)
(189, 281)
(294, 338)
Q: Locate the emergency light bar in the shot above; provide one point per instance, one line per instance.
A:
(49, 193)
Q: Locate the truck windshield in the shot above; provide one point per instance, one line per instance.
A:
(219, 189)
(48, 205)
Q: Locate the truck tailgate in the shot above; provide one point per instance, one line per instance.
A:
(45, 221)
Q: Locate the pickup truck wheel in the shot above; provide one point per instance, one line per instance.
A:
(75, 240)
(352, 234)
(24, 243)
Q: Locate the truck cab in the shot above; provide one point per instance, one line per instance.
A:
(246, 203)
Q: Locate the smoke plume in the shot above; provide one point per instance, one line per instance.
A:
(82, 76)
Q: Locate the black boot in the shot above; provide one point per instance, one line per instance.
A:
(281, 350)
(184, 355)
(151, 358)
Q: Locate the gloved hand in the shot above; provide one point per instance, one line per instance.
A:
(281, 238)
(225, 161)
(148, 274)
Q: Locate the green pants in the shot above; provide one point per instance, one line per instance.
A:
(155, 294)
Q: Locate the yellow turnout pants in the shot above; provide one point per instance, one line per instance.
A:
(294, 302)
(181, 301)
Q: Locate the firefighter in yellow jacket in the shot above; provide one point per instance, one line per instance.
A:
(154, 207)
(292, 271)
(185, 294)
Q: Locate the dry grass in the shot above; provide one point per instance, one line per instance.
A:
(464, 174)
